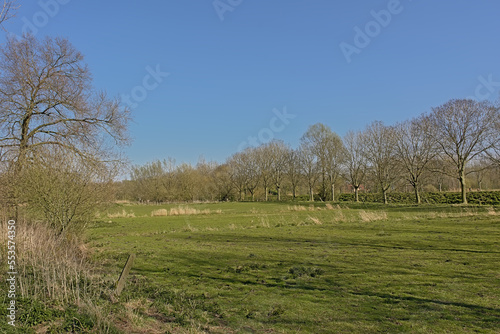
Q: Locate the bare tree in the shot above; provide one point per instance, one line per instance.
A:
(463, 130)
(48, 106)
(149, 180)
(414, 150)
(355, 161)
(222, 181)
(238, 176)
(279, 153)
(47, 100)
(309, 167)
(252, 170)
(263, 156)
(380, 154)
(245, 171)
(335, 156)
(293, 170)
(188, 184)
(329, 150)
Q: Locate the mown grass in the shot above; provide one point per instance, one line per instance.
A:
(297, 268)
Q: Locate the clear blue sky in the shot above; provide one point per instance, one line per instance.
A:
(227, 76)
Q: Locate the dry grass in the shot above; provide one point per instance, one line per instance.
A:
(372, 216)
(328, 206)
(491, 211)
(315, 220)
(56, 267)
(123, 214)
(189, 228)
(297, 208)
(264, 222)
(159, 213)
(183, 211)
(339, 216)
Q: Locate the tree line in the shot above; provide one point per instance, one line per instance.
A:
(455, 145)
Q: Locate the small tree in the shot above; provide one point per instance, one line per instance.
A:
(64, 190)
(279, 153)
(355, 161)
(329, 150)
(293, 170)
(149, 181)
(237, 173)
(309, 166)
(263, 157)
(414, 150)
(380, 153)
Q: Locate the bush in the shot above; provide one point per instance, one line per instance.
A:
(63, 192)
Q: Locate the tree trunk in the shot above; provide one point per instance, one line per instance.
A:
(384, 193)
(462, 187)
(417, 194)
(333, 192)
(279, 193)
(356, 193)
(294, 191)
(266, 191)
(311, 195)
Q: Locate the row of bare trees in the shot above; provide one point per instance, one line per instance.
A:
(455, 140)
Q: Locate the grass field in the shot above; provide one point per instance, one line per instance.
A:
(297, 268)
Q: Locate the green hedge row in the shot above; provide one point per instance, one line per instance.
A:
(479, 197)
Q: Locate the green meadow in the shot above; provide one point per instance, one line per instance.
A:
(301, 268)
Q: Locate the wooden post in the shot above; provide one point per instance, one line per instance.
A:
(123, 277)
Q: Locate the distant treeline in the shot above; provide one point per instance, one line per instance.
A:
(455, 147)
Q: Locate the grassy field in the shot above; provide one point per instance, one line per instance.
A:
(297, 268)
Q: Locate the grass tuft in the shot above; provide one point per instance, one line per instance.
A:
(371, 216)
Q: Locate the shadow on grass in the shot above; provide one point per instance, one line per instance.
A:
(324, 240)
(482, 314)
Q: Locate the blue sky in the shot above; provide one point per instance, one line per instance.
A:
(241, 72)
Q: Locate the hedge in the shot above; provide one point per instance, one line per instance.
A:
(477, 197)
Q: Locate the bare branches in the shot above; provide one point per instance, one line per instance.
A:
(380, 154)
(463, 131)
(47, 99)
(414, 149)
(355, 163)
(8, 10)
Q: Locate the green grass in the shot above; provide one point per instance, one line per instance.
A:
(292, 268)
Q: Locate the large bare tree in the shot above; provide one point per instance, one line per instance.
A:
(47, 100)
(463, 130)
